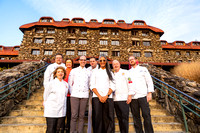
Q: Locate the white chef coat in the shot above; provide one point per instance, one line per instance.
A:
(142, 81)
(48, 74)
(124, 87)
(55, 97)
(79, 82)
(91, 70)
(101, 82)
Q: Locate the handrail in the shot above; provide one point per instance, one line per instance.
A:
(25, 80)
(195, 109)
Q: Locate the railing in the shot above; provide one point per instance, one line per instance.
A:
(25, 81)
(187, 103)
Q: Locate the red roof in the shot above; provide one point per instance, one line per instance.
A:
(188, 46)
(9, 50)
(125, 26)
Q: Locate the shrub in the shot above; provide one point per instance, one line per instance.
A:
(189, 71)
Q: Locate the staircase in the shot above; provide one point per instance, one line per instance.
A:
(28, 118)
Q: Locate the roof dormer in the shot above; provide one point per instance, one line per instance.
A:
(16, 48)
(1, 48)
(195, 43)
(163, 42)
(138, 22)
(93, 21)
(78, 20)
(46, 19)
(179, 43)
(121, 21)
(109, 21)
(66, 20)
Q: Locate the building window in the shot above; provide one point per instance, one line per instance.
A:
(48, 52)
(115, 53)
(72, 30)
(179, 61)
(196, 43)
(108, 21)
(93, 20)
(138, 23)
(197, 53)
(163, 43)
(46, 20)
(188, 53)
(148, 54)
(103, 32)
(38, 40)
(147, 43)
(1, 48)
(145, 33)
(39, 30)
(35, 52)
(179, 44)
(134, 33)
(70, 52)
(103, 42)
(104, 53)
(189, 61)
(115, 32)
(65, 20)
(51, 31)
(72, 41)
(2, 58)
(178, 53)
(115, 42)
(135, 43)
(16, 48)
(136, 54)
(49, 41)
(83, 31)
(168, 61)
(81, 52)
(82, 42)
(78, 20)
(166, 52)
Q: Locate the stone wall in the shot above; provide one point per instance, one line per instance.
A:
(189, 87)
(9, 75)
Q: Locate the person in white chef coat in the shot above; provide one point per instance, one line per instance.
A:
(48, 74)
(79, 86)
(122, 96)
(143, 87)
(55, 97)
(102, 85)
(93, 66)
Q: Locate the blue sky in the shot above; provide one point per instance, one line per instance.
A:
(179, 19)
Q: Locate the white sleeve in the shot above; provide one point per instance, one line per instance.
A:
(93, 80)
(71, 80)
(47, 90)
(149, 82)
(112, 83)
(47, 76)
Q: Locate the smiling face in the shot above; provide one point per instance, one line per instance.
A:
(93, 62)
(102, 62)
(60, 74)
(82, 61)
(68, 63)
(132, 61)
(58, 59)
(116, 65)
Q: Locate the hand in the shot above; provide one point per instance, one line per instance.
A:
(104, 98)
(101, 99)
(149, 96)
(129, 99)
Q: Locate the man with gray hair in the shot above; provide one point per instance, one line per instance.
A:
(122, 96)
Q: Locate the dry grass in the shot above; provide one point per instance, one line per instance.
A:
(188, 71)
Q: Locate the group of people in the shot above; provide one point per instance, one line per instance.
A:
(68, 90)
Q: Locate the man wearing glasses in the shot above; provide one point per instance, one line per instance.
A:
(143, 87)
(79, 87)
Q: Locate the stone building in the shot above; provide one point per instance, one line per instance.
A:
(117, 40)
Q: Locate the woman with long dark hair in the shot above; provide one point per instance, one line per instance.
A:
(102, 84)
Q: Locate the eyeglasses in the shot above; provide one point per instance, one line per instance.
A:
(102, 60)
(82, 60)
(131, 59)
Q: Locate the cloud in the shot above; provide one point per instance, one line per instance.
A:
(179, 19)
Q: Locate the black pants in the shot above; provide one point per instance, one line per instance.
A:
(55, 125)
(103, 116)
(67, 126)
(136, 105)
(122, 112)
